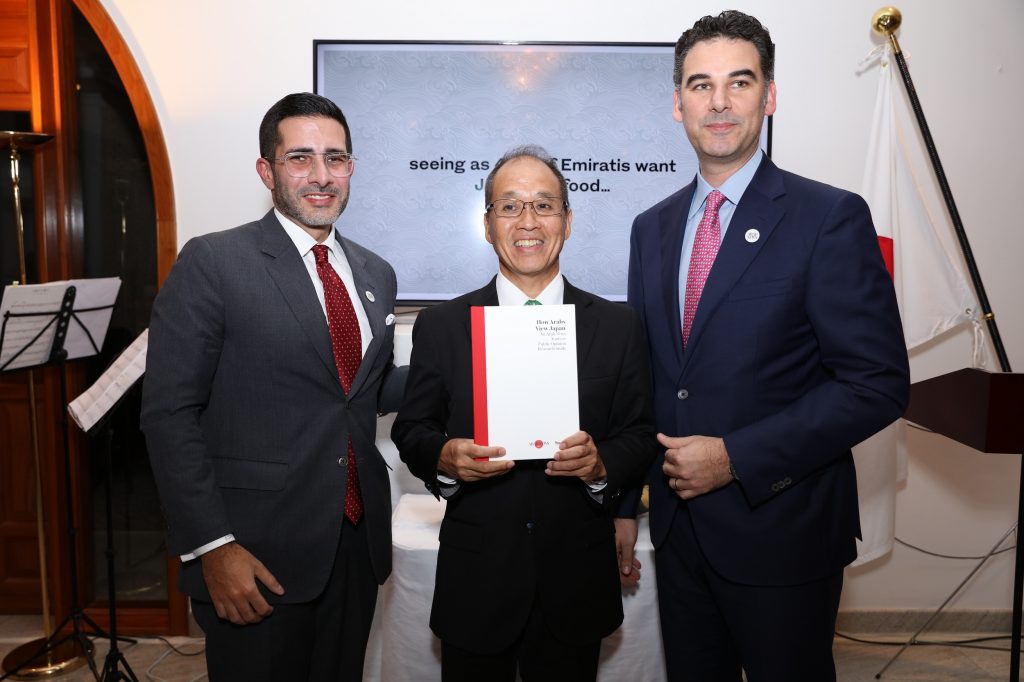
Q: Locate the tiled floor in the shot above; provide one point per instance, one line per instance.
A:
(856, 661)
(152, 659)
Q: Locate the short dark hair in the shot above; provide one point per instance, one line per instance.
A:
(291, 106)
(532, 151)
(731, 25)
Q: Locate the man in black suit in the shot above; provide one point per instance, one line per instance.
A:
(270, 355)
(526, 571)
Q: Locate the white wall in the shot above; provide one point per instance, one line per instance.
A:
(213, 69)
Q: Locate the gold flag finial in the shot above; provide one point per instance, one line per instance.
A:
(885, 22)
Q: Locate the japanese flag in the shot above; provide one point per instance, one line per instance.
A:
(918, 243)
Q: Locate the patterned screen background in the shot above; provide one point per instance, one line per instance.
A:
(428, 121)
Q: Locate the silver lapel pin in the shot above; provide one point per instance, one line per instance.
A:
(750, 235)
(369, 297)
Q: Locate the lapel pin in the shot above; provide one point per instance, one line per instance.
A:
(369, 297)
(750, 235)
(389, 320)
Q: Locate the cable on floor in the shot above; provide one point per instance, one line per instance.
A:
(171, 649)
(970, 643)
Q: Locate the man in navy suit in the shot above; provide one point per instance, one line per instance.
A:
(262, 443)
(776, 345)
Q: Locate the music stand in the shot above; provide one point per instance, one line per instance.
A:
(92, 412)
(68, 658)
(34, 332)
(981, 410)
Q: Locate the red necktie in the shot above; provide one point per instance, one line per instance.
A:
(705, 247)
(347, 344)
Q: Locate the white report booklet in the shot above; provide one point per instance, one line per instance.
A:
(525, 392)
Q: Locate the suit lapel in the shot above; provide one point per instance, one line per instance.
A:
(369, 296)
(672, 222)
(292, 279)
(586, 324)
(758, 211)
(487, 295)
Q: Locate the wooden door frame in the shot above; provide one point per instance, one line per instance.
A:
(149, 125)
(60, 238)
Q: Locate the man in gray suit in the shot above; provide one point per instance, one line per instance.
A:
(270, 356)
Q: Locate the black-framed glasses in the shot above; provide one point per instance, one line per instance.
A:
(513, 208)
(300, 164)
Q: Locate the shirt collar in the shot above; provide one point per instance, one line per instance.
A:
(510, 294)
(733, 188)
(302, 239)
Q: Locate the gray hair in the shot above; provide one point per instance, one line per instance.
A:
(532, 151)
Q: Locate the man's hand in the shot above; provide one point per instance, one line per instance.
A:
(230, 572)
(625, 545)
(695, 464)
(459, 460)
(577, 456)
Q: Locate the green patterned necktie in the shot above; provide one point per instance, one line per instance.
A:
(532, 301)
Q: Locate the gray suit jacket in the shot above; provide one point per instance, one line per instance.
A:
(245, 418)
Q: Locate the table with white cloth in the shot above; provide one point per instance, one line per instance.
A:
(409, 651)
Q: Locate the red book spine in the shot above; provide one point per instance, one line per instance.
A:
(479, 345)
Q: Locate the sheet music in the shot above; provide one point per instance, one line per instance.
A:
(91, 293)
(46, 298)
(89, 408)
(19, 331)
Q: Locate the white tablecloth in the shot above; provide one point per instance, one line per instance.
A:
(403, 649)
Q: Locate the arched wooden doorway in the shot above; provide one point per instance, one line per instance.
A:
(149, 125)
(43, 44)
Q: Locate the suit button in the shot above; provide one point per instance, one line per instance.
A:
(788, 480)
(342, 461)
(682, 394)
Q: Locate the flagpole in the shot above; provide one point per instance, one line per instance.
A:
(885, 22)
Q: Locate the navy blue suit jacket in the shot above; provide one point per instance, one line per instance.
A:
(796, 354)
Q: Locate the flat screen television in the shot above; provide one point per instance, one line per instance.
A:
(429, 119)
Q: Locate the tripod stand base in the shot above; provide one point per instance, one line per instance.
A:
(65, 657)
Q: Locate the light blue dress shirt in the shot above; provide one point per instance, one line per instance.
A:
(733, 189)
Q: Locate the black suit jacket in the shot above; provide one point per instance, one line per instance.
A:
(523, 536)
(245, 418)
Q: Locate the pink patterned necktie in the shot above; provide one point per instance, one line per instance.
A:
(705, 247)
(347, 344)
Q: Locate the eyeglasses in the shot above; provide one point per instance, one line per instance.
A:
(513, 208)
(300, 164)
